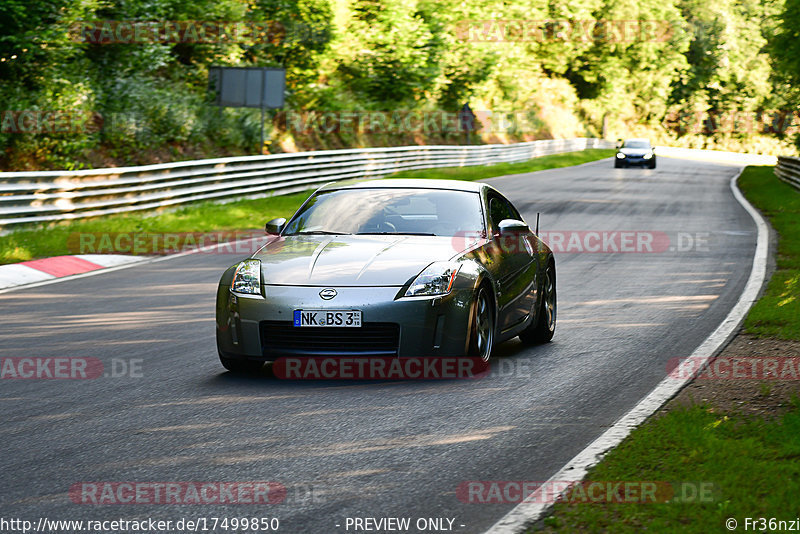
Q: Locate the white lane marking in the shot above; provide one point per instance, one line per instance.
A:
(526, 513)
(15, 274)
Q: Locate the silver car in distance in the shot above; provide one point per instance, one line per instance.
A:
(389, 268)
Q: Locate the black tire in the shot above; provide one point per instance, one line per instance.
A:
(242, 366)
(481, 340)
(617, 164)
(652, 164)
(544, 326)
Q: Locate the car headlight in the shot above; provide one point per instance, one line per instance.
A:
(247, 278)
(620, 155)
(648, 155)
(436, 279)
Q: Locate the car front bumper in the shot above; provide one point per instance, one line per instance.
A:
(636, 161)
(253, 328)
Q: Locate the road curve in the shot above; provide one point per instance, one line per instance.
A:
(355, 450)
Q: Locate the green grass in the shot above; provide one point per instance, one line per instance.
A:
(753, 466)
(777, 313)
(57, 239)
(554, 161)
(753, 463)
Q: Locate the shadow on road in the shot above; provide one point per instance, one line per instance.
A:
(505, 357)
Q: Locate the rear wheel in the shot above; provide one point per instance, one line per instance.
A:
(482, 337)
(542, 330)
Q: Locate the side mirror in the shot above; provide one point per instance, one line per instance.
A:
(512, 226)
(275, 226)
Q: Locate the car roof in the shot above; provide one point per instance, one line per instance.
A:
(407, 183)
(638, 139)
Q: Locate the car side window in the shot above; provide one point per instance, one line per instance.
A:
(514, 213)
(499, 210)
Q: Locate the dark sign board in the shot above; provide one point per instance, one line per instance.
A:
(248, 87)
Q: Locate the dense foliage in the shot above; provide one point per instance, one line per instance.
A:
(676, 70)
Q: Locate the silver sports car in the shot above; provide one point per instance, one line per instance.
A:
(389, 268)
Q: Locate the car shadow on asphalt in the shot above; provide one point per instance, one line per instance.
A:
(506, 358)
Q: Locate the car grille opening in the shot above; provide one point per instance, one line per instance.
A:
(281, 338)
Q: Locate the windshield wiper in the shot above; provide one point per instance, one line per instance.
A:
(320, 232)
(394, 233)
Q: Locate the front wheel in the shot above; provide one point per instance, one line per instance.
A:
(482, 337)
(542, 330)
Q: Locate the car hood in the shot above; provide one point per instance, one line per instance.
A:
(353, 260)
(635, 152)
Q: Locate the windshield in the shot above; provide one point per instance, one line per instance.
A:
(389, 211)
(636, 143)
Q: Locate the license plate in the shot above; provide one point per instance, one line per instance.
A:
(347, 318)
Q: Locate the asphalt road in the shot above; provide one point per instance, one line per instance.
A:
(354, 450)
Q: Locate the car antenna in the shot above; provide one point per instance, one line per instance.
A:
(537, 223)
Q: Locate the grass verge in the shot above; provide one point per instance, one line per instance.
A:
(479, 172)
(777, 313)
(752, 461)
(33, 242)
(750, 466)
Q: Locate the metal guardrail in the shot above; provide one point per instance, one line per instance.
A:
(788, 170)
(35, 197)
